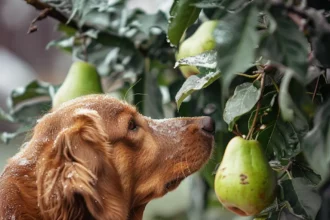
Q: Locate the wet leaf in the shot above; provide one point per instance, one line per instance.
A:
(206, 59)
(195, 83)
(244, 99)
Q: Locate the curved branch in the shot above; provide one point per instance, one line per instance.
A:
(49, 11)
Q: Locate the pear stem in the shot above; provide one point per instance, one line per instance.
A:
(249, 136)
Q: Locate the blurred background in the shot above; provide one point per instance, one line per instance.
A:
(23, 58)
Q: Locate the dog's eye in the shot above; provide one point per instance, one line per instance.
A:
(132, 125)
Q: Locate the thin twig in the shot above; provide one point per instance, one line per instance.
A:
(236, 133)
(249, 76)
(43, 14)
(53, 13)
(258, 107)
(316, 86)
(274, 84)
(237, 130)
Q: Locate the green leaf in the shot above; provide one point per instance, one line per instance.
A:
(5, 116)
(320, 39)
(113, 55)
(27, 103)
(265, 112)
(145, 22)
(6, 137)
(302, 196)
(244, 99)
(316, 144)
(67, 30)
(65, 43)
(281, 139)
(206, 59)
(293, 99)
(223, 6)
(33, 90)
(284, 214)
(283, 49)
(211, 3)
(236, 37)
(196, 82)
(299, 169)
(182, 15)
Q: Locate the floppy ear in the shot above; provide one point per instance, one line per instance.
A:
(76, 178)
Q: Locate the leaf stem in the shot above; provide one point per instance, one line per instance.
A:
(249, 136)
(274, 84)
(316, 86)
(249, 76)
(236, 131)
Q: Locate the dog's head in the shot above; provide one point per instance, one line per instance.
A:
(101, 155)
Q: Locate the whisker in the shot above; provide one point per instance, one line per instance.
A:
(137, 104)
(131, 87)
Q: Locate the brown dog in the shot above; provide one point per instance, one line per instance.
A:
(96, 157)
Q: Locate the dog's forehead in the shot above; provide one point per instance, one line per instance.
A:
(100, 103)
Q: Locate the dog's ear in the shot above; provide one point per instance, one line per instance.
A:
(76, 178)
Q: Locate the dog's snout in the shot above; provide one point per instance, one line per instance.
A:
(208, 125)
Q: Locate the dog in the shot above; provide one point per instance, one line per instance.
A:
(96, 157)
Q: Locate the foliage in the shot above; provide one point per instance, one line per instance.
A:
(267, 79)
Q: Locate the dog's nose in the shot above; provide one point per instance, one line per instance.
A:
(208, 125)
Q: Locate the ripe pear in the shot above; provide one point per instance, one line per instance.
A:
(245, 183)
(82, 79)
(202, 40)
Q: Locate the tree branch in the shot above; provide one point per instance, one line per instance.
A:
(51, 12)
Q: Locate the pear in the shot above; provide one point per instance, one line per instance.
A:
(202, 40)
(82, 79)
(245, 183)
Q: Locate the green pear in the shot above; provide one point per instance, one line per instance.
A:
(202, 40)
(82, 79)
(245, 183)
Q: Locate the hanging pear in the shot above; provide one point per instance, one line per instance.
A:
(82, 79)
(245, 183)
(202, 40)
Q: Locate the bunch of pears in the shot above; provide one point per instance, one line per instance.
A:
(82, 79)
(245, 183)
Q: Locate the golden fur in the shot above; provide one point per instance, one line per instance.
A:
(96, 157)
